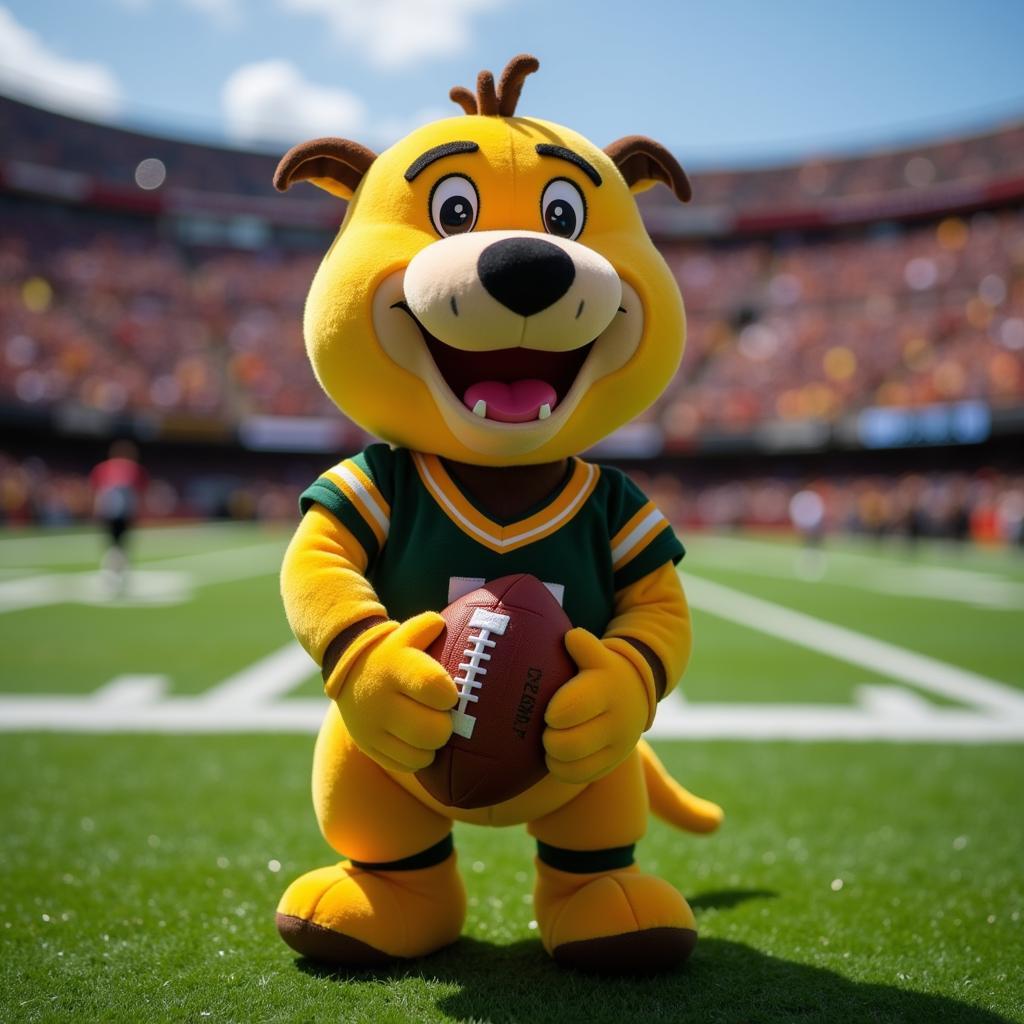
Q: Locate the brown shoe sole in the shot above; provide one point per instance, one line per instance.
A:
(319, 943)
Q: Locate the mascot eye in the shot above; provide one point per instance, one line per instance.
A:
(454, 204)
(563, 209)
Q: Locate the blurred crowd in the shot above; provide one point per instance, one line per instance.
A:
(986, 506)
(120, 318)
(816, 329)
(116, 313)
(126, 321)
(982, 158)
(111, 156)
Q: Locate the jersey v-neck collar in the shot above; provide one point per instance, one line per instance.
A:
(558, 510)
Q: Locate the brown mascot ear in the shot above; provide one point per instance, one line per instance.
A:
(335, 165)
(644, 162)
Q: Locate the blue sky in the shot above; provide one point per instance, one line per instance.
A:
(734, 81)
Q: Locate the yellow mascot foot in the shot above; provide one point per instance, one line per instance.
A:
(614, 921)
(355, 915)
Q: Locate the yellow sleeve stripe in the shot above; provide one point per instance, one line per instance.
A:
(636, 535)
(361, 491)
(357, 471)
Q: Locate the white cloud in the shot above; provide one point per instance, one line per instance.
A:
(32, 71)
(396, 33)
(271, 102)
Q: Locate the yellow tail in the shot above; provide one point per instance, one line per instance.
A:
(671, 802)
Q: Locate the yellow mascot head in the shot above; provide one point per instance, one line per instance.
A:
(492, 296)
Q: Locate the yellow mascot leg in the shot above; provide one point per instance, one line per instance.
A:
(399, 895)
(595, 909)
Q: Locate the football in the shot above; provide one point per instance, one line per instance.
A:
(504, 646)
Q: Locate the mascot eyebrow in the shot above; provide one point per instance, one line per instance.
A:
(561, 153)
(424, 160)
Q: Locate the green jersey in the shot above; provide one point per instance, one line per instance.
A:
(427, 543)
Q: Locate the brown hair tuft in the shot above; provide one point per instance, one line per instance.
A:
(500, 102)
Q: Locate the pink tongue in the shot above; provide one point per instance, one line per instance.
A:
(518, 402)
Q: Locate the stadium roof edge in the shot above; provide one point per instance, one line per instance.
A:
(221, 183)
(839, 154)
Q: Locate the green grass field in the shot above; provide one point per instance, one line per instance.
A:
(876, 878)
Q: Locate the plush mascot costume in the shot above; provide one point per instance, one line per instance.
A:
(491, 306)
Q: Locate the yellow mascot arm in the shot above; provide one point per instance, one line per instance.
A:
(323, 587)
(651, 627)
(393, 697)
(596, 719)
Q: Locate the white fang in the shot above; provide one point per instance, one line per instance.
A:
(480, 409)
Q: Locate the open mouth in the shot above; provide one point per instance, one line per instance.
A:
(507, 385)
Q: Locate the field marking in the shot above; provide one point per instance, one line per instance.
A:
(44, 547)
(896, 717)
(144, 589)
(269, 678)
(225, 566)
(971, 560)
(250, 701)
(162, 581)
(879, 656)
(870, 718)
(862, 572)
(131, 690)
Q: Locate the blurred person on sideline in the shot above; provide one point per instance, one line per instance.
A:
(118, 485)
(807, 514)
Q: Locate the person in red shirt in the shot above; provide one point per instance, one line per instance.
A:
(119, 484)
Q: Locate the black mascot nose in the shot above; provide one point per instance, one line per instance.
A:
(525, 274)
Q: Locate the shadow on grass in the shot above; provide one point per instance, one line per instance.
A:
(725, 899)
(723, 982)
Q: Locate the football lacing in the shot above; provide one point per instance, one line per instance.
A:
(472, 670)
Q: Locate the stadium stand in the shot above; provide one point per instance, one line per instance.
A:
(154, 287)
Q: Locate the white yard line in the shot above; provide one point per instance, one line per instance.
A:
(172, 715)
(213, 566)
(863, 572)
(129, 690)
(269, 678)
(826, 638)
(157, 581)
(867, 720)
(250, 700)
(42, 548)
(144, 589)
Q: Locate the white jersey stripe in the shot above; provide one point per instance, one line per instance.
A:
(365, 497)
(637, 534)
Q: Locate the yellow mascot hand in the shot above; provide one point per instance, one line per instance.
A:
(396, 699)
(596, 719)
